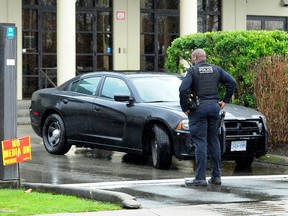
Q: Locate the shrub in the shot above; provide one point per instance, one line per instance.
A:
(235, 52)
(271, 94)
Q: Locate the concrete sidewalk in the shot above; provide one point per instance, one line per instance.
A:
(246, 195)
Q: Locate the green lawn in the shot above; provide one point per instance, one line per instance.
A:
(17, 203)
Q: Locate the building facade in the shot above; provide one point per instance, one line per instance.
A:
(58, 39)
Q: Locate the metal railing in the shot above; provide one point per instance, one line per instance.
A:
(46, 76)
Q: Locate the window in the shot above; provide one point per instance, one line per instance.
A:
(267, 23)
(209, 15)
(94, 35)
(39, 44)
(159, 27)
(113, 86)
(86, 86)
(93, 40)
(167, 88)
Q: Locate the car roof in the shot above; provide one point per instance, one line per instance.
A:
(129, 74)
(124, 74)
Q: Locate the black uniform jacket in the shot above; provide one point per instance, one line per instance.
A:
(187, 82)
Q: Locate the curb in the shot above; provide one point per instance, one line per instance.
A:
(127, 201)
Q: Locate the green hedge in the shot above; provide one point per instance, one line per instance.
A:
(235, 52)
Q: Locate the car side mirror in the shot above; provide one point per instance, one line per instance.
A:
(123, 98)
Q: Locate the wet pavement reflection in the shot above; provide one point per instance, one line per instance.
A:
(81, 165)
(243, 191)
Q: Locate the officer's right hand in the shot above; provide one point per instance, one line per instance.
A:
(221, 104)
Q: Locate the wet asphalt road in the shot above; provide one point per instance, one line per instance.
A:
(262, 183)
(81, 165)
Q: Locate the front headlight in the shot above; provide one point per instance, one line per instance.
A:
(260, 123)
(183, 125)
(260, 127)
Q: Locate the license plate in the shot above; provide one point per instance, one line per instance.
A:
(238, 145)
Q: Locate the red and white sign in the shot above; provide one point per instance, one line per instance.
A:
(16, 150)
(120, 15)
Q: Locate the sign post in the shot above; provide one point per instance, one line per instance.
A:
(8, 95)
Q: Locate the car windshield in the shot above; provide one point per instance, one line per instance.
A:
(158, 88)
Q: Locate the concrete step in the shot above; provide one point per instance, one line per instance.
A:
(23, 117)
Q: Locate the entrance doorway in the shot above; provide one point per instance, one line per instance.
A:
(159, 27)
(94, 35)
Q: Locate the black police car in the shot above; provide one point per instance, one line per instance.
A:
(137, 113)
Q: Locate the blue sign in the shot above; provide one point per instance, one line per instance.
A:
(10, 32)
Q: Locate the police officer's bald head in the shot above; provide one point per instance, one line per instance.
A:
(198, 55)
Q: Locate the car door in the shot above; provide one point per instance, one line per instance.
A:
(77, 108)
(110, 116)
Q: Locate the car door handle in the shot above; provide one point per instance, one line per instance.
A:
(65, 101)
(97, 108)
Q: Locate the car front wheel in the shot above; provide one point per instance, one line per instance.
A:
(53, 134)
(160, 148)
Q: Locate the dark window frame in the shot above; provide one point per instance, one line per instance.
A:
(263, 19)
(95, 54)
(204, 12)
(34, 74)
(157, 13)
(38, 31)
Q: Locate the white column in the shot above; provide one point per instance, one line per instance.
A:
(188, 17)
(133, 36)
(66, 34)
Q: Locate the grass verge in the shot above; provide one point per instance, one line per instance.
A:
(14, 202)
(273, 159)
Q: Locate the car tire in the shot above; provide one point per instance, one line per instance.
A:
(244, 161)
(160, 148)
(53, 134)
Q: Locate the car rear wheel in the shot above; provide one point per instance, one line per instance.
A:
(244, 161)
(53, 134)
(160, 148)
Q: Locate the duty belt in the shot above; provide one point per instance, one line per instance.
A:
(208, 101)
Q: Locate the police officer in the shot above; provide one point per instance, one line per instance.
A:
(202, 80)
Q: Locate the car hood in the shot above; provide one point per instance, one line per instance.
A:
(172, 106)
(240, 112)
(232, 111)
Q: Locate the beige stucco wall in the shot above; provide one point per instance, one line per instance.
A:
(235, 12)
(3, 11)
(266, 8)
(11, 12)
(234, 15)
(126, 38)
